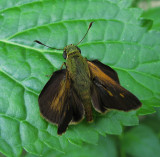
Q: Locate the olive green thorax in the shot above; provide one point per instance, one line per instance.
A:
(71, 50)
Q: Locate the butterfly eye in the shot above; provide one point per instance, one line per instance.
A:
(64, 54)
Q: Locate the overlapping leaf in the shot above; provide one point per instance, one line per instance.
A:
(117, 38)
(141, 140)
(153, 14)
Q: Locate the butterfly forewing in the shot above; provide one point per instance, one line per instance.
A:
(58, 103)
(110, 94)
(106, 69)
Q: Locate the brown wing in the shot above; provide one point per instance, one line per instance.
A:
(107, 92)
(107, 70)
(58, 103)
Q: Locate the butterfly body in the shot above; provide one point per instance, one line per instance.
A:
(79, 75)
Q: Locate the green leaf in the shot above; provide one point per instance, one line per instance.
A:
(141, 141)
(152, 121)
(153, 14)
(106, 146)
(10, 136)
(116, 38)
(146, 23)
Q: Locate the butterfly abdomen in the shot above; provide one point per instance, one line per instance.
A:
(86, 100)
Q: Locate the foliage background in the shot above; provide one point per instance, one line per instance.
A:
(124, 37)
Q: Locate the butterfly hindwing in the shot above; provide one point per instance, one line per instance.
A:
(57, 103)
(96, 100)
(110, 94)
(78, 109)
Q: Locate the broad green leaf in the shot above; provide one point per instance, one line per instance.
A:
(106, 146)
(10, 136)
(117, 38)
(152, 121)
(134, 142)
(141, 141)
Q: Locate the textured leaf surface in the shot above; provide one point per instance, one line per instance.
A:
(106, 146)
(117, 38)
(136, 141)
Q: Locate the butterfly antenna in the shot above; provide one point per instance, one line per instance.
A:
(45, 45)
(86, 33)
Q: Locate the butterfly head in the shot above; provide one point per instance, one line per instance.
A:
(70, 50)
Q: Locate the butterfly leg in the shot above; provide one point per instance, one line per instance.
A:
(64, 63)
